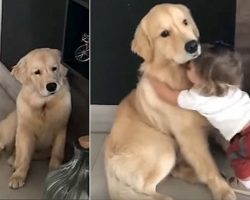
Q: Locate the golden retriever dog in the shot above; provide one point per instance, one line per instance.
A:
(148, 133)
(37, 129)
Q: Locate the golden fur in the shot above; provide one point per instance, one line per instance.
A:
(37, 128)
(147, 133)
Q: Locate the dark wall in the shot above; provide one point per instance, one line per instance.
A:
(30, 24)
(77, 26)
(114, 67)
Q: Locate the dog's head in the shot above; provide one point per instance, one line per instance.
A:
(42, 70)
(167, 32)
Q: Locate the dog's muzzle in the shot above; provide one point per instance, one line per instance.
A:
(51, 87)
(192, 46)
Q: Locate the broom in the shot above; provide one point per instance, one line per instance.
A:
(71, 180)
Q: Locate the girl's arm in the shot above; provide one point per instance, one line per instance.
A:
(164, 92)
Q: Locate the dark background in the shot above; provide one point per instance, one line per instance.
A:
(76, 25)
(114, 67)
(30, 24)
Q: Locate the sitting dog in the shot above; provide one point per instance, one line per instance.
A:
(37, 128)
(149, 136)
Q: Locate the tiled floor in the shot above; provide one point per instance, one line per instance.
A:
(178, 189)
(34, 187)
(98, 182)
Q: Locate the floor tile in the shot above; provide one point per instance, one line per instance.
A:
(98, 181)
(34, 187)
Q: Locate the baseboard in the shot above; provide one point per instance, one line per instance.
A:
(102, 117)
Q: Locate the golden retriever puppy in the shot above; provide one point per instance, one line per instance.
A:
(141, 149)
(38, 126)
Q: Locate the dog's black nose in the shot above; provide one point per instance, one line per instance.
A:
(191, 46)
(51, 87)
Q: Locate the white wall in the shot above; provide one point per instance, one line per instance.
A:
(102, 117)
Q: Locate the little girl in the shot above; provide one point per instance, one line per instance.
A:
(216, 76)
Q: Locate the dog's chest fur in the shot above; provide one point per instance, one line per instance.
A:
(46, 112)
(50, 108)
(150, 105)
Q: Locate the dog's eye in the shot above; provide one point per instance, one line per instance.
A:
(54, 69)
(37, 72)
(185, 22)
(165, 33)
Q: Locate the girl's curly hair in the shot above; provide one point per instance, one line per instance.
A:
(219, 67)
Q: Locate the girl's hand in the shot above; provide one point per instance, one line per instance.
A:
(159, 87)
(163, 91)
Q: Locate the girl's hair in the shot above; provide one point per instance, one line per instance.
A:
(219, 67)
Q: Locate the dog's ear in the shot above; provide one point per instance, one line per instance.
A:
(194, 27)
(62, 70)
(57, 53)
(190, 19)
(141, 44)
(19, 70)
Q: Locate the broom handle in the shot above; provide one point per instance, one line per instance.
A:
(84, 141)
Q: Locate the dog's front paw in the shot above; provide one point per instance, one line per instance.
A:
(54, 163)
(225, 192)
(16, 181)
(230, 195)
(221, 189)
